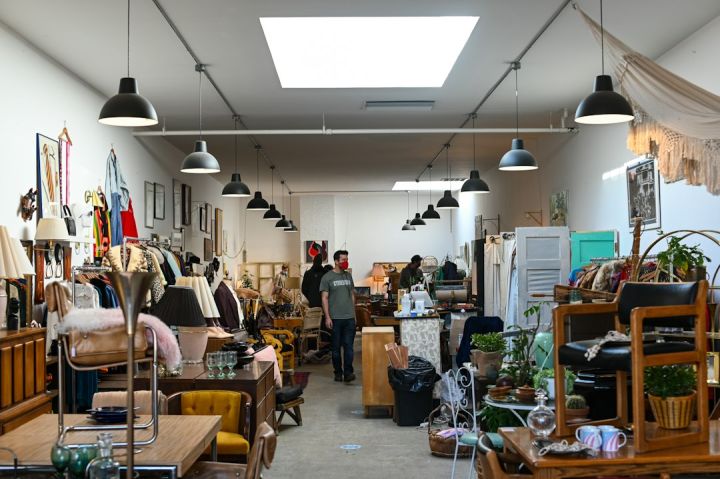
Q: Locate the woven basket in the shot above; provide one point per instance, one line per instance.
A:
(444, 446)
(673, 412)
(561, 294)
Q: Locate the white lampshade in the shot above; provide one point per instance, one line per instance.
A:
(51, 229)
(14, 263)
(378, 272)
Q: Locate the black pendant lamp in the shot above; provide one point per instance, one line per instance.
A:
(258, 203)
(603, 106)
(272, 214)
(417, 221)
(447, 202)
(292, 228)
(283, 223)
(200, 161)
(518, 158)
(430, 213)
(128, 107)
(407, 226)
(236, 188)
(474, 184)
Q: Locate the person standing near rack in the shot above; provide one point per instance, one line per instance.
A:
(411, 274)
(337, 291)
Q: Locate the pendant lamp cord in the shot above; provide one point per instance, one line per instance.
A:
(417, 195)
(517, 105)
(408, 198)
(602, 38)
(128, 36)
(272, 184)
(473, 121)
(257, 165)
(430, 176)
(447, 160)
(236, 123)
(199, 69)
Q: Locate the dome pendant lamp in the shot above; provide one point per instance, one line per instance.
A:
(417, 221)
(200, 161)
(447, 202)
(518, 158)
(128, 107)
(603, 106)
(292, 228)
(283, 223)
(474, 184)
(430, 213)
(408, 226)
(272, 214)
(236, 188)
(258, 203)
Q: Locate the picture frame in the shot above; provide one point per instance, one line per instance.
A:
(202, 217)
(186, 213)
(48, 170)
(177, 239)
(643, 190)
(159, 210)
(149, 204)
(313, 248)
(218, 232)
(177, 204)
(559, 208)
(208, 218)
(713, 367)
(208, 249)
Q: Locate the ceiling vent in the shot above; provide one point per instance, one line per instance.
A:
(399, 105)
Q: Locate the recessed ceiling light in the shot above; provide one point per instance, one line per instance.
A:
(365, 52)
(435, 185)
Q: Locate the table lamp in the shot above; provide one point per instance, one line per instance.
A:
(179, 309)
(51, 230)
(14, 264)
(378, 275)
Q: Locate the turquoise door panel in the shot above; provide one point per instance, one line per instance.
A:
(585, 245)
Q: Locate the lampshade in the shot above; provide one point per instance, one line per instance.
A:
(51, 229)
(128, 107)
(236, 188)
(272, 214)
(474, 184)
(407, 226)
(179, 307)
(431, 214)
(200, 161)
(282, 224)
(417, 221)
(518, 158)
(292, 228)
(603, 106)
(447, 202)
(378, 272)
(14, 263)
(258, 203)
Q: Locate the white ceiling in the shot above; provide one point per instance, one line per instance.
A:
(557, 72)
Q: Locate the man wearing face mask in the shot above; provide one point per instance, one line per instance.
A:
(338, 300)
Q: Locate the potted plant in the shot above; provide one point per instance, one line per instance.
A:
(488, 352)
(520, 365)
(576, 407)
(545, 379)
(688, 262)
(671, 390)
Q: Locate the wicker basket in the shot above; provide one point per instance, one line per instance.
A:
(673, 412)
(444, 446)
(561, 294)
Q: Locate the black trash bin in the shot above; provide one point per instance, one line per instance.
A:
(413, 390)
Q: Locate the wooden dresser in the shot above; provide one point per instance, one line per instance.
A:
(376, 391)
(23, 394)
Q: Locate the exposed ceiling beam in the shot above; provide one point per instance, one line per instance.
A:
(355, 131)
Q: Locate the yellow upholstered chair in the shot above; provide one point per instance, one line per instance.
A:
(283, 341)
(233, 406)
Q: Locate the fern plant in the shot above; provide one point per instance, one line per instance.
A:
(670, 381)
(488, 342)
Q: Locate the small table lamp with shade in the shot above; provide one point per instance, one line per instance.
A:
(378, 275)
(180, 309)
(14, 264)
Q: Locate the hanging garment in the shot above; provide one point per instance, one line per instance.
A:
(101, 224)
(227, 306)
(493, 259)
(511, 311)
(156, 288)
(173, 264)
(115, 181)
(129, 227)
(508, 253)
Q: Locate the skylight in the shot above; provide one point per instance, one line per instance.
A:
(436, 185)
(365, 52)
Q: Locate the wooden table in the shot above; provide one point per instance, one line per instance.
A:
(697, 458)
(33, 440)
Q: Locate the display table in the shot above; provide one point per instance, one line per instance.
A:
(32, 442)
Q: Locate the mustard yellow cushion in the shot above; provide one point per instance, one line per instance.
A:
(214, 403)
(231, 443)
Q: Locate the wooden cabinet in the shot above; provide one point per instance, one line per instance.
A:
(376, 390)
(22, 377)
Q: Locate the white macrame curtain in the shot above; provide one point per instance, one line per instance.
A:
(675, 120)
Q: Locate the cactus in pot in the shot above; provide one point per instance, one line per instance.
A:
(576, 407)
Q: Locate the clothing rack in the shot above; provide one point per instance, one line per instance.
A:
(605, 259)
(86, 269)
(146, 241)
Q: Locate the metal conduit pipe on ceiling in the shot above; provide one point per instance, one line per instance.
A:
(356, 131)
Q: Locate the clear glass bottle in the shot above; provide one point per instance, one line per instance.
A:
(104, 467)
(541, 420)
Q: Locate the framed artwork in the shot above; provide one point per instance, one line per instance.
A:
(643, 188)
(149, 204)
(224, 241)
(208, 247)
(208, 218)
(186, 213)
(314, 248)
(177, 239)
(218, 232)
(713, 367)
(159, 201)
(212, 232)
(559, 208)
(177, 204)
(48, 177)
(201, 216)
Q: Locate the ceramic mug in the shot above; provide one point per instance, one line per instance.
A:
(590, 436)
(611, 437)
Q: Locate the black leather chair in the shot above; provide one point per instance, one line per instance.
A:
(641, 306)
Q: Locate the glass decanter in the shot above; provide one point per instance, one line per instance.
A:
(104, 467)
(541, 420)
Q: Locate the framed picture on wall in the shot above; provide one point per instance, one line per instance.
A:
(208, 249)
(559, 208)
(186, 213)
(218, 232)
(177, 239)
(48, 177)
(208, 218)
(149, 204)
(159, 201)
(643, 189)
(177, 204)
(314, 248)
(201, 216)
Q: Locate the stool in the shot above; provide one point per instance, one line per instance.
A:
(291, 407)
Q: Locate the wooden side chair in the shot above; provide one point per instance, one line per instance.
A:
(288, 400)
(640, 306)
(311, 329)
(492, 465)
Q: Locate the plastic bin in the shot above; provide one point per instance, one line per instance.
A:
(413, 391)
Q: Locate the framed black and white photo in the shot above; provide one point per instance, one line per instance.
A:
(159, 201)
(149, 204)
(177, 204)
(177, 239)
(643, 189)
(218, 232)
(202, 216)
(186, 205)
(208, 218)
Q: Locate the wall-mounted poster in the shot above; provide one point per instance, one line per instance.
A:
(177, 204)
(218, 232)
(186, 205)
(314, 248)
(559, 208)
(149, 204)
(48, 177)
(159, 201)
(643, 187)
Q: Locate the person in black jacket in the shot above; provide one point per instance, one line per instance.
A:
(311, 282)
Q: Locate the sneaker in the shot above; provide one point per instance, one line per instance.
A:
(338, 377)
(349, 377)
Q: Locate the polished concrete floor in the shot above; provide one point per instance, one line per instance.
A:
(333, 417)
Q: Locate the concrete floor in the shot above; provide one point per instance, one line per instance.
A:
(333, 416)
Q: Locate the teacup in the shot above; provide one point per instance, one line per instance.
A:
(611, 438)
(590, 436)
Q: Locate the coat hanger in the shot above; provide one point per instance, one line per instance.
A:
(65, 135)
(112, 149)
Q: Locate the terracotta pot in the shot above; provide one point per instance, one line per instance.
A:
(482, 360)
(577, 413)
(673, 412)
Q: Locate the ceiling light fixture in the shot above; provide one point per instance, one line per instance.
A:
(258, 203)
(292, 228)
(407, 226)
(518, 158)
(447, 202)
(283, 223)
(200, 161)
(417, 221)
(272, 214)
(430, 213)
(128, 107)
(236, 188)
(603, 106)
(474, 184)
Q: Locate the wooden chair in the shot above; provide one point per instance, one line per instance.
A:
(362, 316)
(492, 466)
(261, 455)
(640, 306)
(291, 407)
(311, 329)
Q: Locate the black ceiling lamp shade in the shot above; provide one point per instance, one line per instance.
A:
(282, 224)
(128, 107)
(417, 221)
(200, 161)
(407, 226)
(603, 106)
(292, 228)
(272, 214)
(430, 213)
(474, 184)
(236, 188)
(258, 203)
(518, 158)
(447, 202)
